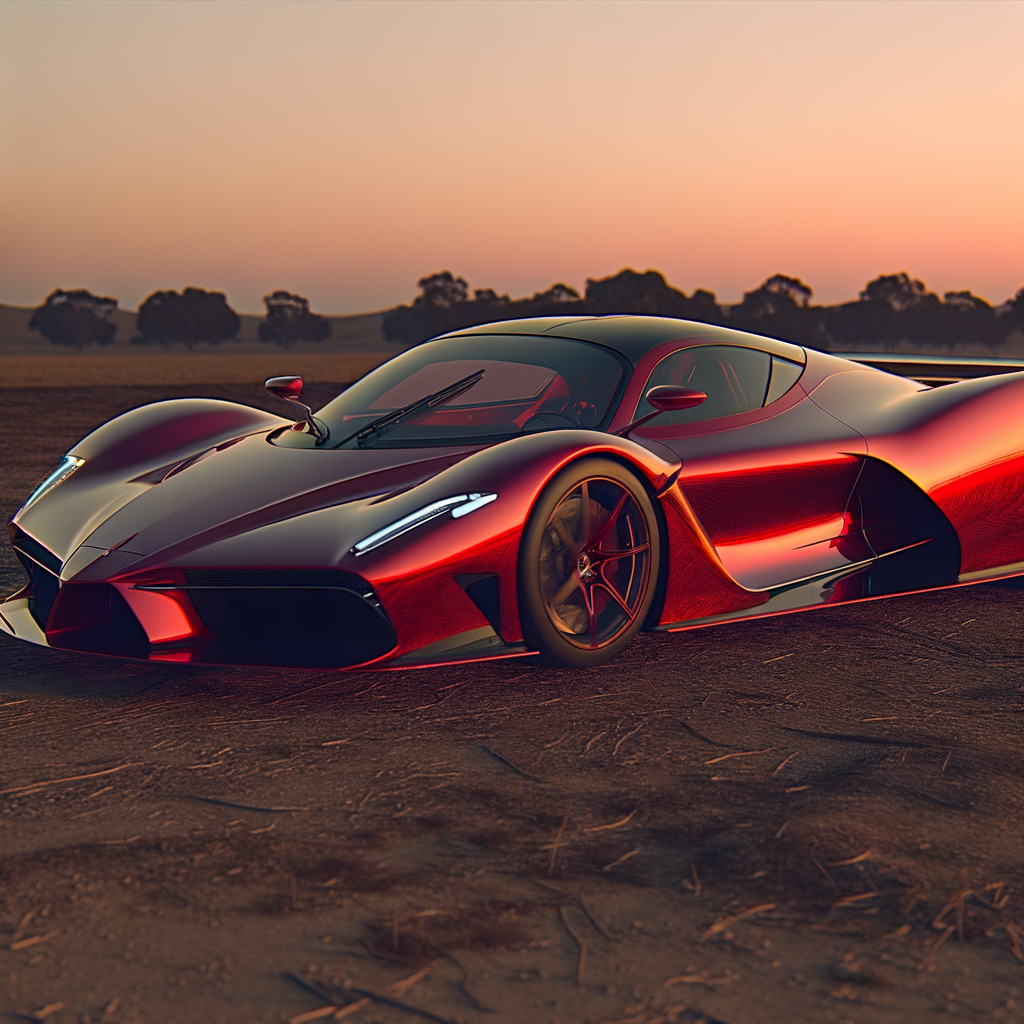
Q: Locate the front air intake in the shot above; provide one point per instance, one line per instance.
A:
(303, 617)
(277, 578)
(94, 617)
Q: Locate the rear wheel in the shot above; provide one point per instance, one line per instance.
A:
(588, 564)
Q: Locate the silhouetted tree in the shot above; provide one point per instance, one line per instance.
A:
(557, 295)
(289, 320)
(558, 300)
(791, 288)
(404, 326)
(1011, 313)
(649, 294)
(441, 290)
(76, 318)
(442, 305)
(965, 319)
(705, 308)
(780, 307)
(899, 292)
(192, 317)
(892, 308)
(632, 292)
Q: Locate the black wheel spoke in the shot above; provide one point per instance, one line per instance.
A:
(565, 590)
(600, 557)
(614, 595)
(584, 533)
(613, 518)
(571, 545)
(588, 598)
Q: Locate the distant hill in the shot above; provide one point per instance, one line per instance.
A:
(360, 332)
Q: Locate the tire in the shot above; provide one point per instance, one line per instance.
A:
(578, 606)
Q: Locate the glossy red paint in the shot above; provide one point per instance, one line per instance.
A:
(697, 584)
(637, 385)
(665, 398)
(851, 485)
(963, 444)
(402, 595)
(166, 427)
(758, 481)
(774, 499)
(787, 555)
(287, 388)
(249, 501)
(164, 616)
(986, 508)
(486, 540)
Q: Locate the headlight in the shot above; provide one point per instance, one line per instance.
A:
(459, 506)
(67, 466)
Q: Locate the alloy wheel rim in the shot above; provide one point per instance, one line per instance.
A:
(595, 563)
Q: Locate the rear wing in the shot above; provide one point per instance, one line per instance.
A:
(934, 370)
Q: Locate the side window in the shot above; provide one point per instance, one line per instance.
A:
(734, 379)
(784, 375)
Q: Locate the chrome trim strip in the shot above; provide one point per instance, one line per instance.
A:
(162, 587)
(473, 504)
(67, 466)
(459, 505)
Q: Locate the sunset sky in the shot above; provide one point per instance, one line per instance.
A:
(342, 150)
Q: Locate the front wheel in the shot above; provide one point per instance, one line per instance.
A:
(588, 564)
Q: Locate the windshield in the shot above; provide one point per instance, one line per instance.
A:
(529, 384)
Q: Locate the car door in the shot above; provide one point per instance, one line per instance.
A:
(768, 473)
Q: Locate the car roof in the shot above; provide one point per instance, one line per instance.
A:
(634, 336)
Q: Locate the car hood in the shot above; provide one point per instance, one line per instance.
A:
(248, 485)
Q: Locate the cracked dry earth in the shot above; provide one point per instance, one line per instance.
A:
(809, 818)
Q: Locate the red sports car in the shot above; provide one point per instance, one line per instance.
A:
(544, 487)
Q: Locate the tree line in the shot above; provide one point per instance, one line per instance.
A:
(78, 318)
(892, 308)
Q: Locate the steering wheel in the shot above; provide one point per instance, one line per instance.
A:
(548, 421)
(585, 413)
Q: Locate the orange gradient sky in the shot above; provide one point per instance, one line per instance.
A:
(344, 150)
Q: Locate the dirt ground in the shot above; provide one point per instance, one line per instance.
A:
(809, 818)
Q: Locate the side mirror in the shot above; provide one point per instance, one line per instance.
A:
(289, 389)
(665, 398)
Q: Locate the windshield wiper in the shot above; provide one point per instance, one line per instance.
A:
(380, 426)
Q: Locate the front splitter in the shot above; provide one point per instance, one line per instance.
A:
(16, 619)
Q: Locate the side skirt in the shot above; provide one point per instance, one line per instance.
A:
(481, 644)
(820, 591)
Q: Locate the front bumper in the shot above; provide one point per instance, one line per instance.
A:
(312, 618)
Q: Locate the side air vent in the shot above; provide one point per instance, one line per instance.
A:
(484, 590)
(43, 568)
(45, 586)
